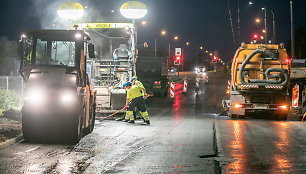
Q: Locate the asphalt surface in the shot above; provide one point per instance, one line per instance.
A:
(185, 136)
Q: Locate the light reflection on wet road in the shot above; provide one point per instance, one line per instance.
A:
(179, 140)
(262, 146)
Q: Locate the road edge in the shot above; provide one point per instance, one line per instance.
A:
(11, 141)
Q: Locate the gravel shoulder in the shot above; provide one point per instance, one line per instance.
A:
(9, 129)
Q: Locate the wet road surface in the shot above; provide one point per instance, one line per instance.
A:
(180, 139)
(261, 146)
(185, 136)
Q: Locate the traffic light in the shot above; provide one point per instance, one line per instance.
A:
(177, 60)
(255, 36)
(214, 59)
(178, 56)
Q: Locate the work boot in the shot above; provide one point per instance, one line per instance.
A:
(147, 121)
(125, 120)
(131, 121)
(120, 119)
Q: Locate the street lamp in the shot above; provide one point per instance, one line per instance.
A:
(292, 31)
(143, 22)
(70, 11)
(251, 3)
(273, 18)
(274, 34)
(134, 10)
(163, 32)
(266, 41)
(257, 20)
(201, 48)
(187, 43)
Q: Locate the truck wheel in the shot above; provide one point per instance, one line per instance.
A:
(165, 93)
(93, 118)
(236, 116)
(281, 117)
(92, 121)
(28, 133)
(157, 94)
(75, 130)
(241, 116)
(162, 94)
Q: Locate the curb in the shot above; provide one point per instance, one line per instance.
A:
(11, 141)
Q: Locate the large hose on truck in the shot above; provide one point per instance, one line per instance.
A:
(282, 78)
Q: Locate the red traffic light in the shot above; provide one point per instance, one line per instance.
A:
(255, 36)
(215, 58)
(177, 58)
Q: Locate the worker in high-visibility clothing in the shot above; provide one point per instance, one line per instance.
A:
(136, 82)
(134, 99)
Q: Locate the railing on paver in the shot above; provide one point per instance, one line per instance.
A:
(14, 83)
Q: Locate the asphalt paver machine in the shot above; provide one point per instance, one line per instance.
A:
(115, 61)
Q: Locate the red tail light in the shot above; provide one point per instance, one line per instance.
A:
(238, 106)
(157, 82)
(284, 107)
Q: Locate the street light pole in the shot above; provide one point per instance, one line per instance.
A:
(169, 53)
(273, 27)
(292, 31)
(266, 40)
(197, 57)
(155, 46)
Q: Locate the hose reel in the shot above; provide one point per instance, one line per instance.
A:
(281, 79)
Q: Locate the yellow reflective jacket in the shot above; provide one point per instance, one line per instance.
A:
(134, 92)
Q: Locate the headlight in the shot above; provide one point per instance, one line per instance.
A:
(68, 98)
(35, 95)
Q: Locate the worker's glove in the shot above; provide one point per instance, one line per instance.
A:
(125, 107)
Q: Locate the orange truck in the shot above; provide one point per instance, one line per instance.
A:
(260, 81)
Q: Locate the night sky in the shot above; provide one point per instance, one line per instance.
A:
(201, 22)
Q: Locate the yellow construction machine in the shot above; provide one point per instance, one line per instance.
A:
(260, 81)
(59, 100)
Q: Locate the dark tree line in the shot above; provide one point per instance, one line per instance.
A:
(9, 62)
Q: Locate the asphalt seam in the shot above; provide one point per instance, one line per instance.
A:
(215, 142)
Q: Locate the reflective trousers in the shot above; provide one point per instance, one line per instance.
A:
(138, 103)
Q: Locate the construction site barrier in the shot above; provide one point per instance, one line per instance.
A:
(172, 89)
(295, 96)
(197, 82)
(185, 86)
